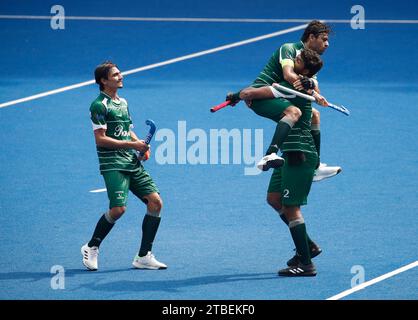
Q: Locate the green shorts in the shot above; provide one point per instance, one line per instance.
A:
(273, 108)
(294, 182)
(118, 184)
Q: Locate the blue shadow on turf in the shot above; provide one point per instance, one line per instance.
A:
(175, 285)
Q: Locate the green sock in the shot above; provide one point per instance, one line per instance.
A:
(283, 217)
(103, 227)
(280, 134)
(149, 230)
(298, 231)
(316, 135)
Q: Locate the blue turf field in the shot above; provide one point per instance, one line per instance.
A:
(218, 235)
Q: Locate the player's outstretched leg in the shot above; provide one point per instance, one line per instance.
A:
(145, 259)
(304, 267)
(274, 200)
(286, 123)
(90, 251)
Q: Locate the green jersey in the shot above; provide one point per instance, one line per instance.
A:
(300, 137)
(114, 117)
(273, 71)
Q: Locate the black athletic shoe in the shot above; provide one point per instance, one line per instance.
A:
(315, 250)
(300, 270)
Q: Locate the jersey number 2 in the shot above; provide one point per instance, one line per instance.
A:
(286, 193)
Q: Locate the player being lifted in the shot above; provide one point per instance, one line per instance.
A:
(270, 104)
(121, 169)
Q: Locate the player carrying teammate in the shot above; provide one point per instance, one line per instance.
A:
(280, 69)
(290, 184)
(121, 169)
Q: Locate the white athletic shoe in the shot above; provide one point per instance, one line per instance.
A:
(270, 161)
(90, 256)
(324, 172)
(148, 262)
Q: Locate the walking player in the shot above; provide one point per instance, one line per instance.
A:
(121, 169)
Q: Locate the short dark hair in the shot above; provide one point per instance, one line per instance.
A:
(102, 71)
(312, 61)
(315, 27)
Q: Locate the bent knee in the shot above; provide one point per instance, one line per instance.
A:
(117, 212)
(293, 112)
(154, 205)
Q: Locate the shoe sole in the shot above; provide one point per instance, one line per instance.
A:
(90, 269)
(327, 177)
(142, 267)
(297, 275)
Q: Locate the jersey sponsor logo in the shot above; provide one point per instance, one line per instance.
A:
(119, 132)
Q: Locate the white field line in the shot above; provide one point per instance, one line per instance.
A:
(98, 190)
(374, 281)
(47, 93)
(159, 64)
(230, 20)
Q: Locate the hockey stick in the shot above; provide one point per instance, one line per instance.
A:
(149, 136)
(220, 106)
(341, 108)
